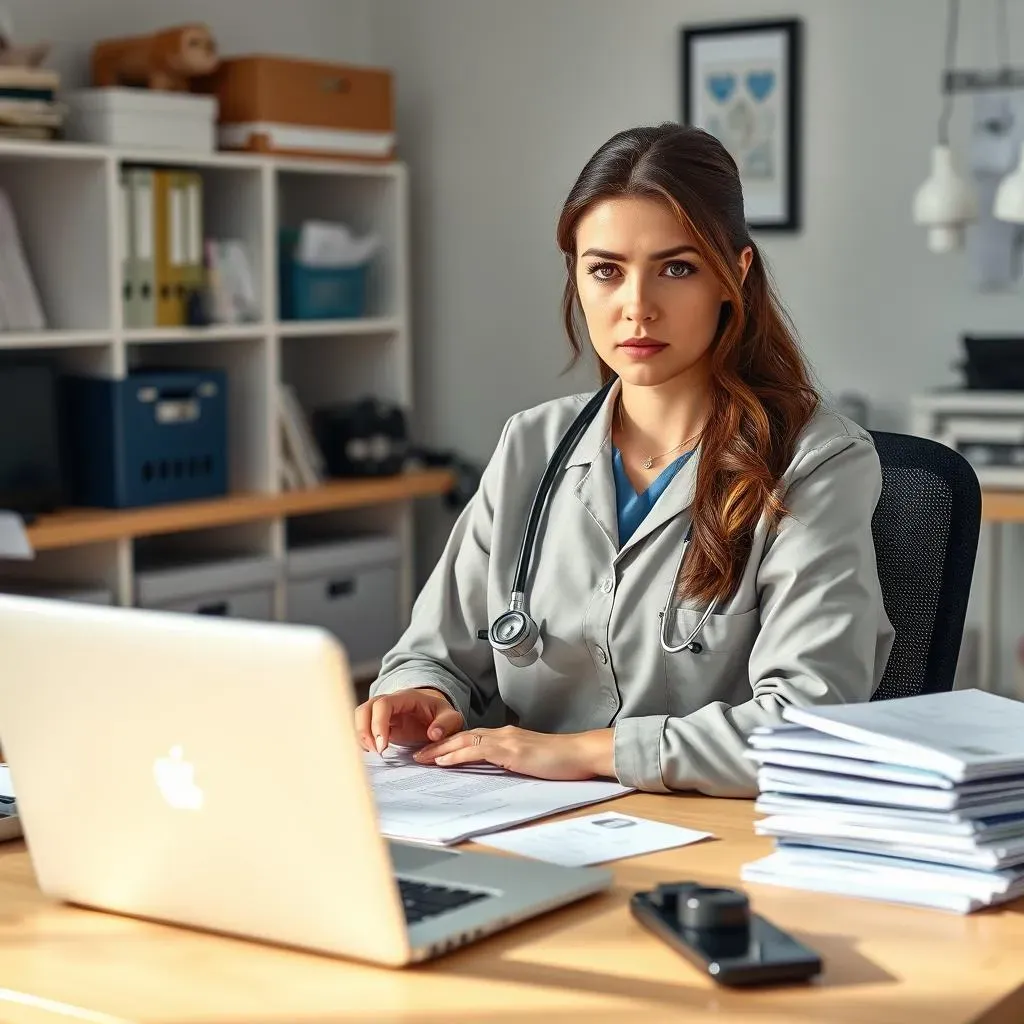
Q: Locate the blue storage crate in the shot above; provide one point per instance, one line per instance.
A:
(153, 437)
(318, 293)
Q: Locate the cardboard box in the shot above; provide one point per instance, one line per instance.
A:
(305, 108)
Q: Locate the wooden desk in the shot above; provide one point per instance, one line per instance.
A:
(589, 962)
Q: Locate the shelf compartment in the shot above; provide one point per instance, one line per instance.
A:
(232, 208)
(92, 567)
(96, 359)
(248, 366)
(62, 210)
(236, 540)
(73, 527)
(365, 203)
(324, 372)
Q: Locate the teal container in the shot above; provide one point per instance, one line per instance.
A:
(318, 293)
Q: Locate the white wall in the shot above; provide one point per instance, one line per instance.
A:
(502, 103)
(319, 29)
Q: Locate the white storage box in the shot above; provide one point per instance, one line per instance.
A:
(241, 588)
(349, 587)
(142, 118)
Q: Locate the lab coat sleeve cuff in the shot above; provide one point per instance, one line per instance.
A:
(420, 678)
(637, 753)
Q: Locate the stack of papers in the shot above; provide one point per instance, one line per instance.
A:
(917, 800)
(440, 806)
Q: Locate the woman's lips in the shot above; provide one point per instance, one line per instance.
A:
(642, 348)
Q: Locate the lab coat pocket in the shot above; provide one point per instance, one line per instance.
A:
(718, 670)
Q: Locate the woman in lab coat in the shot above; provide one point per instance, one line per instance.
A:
(648, 667)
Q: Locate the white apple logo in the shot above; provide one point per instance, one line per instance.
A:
(175, 778)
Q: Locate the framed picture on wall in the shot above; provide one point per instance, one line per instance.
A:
(741, 82)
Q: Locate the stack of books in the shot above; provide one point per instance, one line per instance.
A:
(917, 800)
(29, 108)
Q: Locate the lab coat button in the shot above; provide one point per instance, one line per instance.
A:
(607, 585)
(600, 655)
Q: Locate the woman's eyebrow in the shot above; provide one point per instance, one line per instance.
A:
(678, 250)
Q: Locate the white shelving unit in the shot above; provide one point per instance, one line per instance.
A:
(66, 200)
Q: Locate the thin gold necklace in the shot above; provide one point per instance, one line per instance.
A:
(649, 460)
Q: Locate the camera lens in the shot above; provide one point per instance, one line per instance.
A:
(706, 908)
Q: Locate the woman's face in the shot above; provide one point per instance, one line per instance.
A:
(652, 305)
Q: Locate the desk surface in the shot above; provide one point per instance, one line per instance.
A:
(589, 962)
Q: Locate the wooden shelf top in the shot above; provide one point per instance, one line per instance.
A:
(1002, 506)
(77, 526)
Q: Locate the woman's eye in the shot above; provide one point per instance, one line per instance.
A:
(679, 269)
(603, 271)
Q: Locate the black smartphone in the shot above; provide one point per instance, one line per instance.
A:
(714, 928)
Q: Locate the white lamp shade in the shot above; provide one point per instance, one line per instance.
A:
(1009, 204)
(944, 203)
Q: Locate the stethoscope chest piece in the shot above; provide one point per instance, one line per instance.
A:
(514, 634)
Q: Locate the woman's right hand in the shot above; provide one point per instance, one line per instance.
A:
(407, 717)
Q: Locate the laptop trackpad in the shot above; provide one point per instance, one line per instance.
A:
(407, 858)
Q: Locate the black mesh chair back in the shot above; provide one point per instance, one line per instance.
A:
(925, 530)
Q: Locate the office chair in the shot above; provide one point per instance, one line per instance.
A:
(925, 530)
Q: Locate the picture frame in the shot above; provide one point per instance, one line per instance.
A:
(742, 82)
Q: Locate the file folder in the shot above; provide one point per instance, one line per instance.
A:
(145, 247)
(192, 183)
(126, 246)
(167, 247)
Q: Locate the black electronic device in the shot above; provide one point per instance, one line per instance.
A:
(366, 437)
(715, 930)
(31, 459)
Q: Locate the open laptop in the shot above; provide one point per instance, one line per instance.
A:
(205, 772)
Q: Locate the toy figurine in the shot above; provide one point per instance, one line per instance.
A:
(164, 60)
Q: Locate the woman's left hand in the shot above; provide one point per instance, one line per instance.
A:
(558, 756)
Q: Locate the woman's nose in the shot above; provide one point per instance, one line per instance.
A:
(637, 308)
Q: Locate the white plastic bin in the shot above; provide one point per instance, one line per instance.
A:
(240, 587)
(349, 587)
(143, 118)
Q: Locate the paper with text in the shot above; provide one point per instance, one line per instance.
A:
(440, 806)
(593, 839)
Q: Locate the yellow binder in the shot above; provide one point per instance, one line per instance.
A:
(168, 304)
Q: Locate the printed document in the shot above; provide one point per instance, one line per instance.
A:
(440, 806)
(593, 839)
(962, 734)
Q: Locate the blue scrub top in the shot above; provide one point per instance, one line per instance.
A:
(633, 507)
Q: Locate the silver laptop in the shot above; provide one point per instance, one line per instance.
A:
(205, 772)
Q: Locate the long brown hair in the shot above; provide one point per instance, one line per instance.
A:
(761, 391)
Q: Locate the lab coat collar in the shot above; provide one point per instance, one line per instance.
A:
(597, 488)
(598, 432)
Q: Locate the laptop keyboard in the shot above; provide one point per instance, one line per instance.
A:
(422, 901)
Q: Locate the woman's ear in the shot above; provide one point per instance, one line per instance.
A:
(746, 258)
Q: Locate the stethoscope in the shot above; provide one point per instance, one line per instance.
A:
(515, 632)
